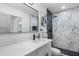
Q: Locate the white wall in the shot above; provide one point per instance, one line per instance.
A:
(26, 23)
(4, 23)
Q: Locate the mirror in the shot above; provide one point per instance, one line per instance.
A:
(16, 24)
(18, 18)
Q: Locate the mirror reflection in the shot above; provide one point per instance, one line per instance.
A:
(16, 24)
(21, 18)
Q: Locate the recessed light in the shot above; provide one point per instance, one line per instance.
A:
(63, 7)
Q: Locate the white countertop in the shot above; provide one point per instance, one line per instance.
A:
(23, 48)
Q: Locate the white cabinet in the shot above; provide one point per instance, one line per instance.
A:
(34, 53)
(45, 49)
(30, 48)
(41, 51)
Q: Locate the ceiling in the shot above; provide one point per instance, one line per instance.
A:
(22, 7)
(57, 7)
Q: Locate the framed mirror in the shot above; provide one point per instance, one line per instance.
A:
(18, 18)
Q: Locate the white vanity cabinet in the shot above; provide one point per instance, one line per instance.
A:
(44, 50)
(33, 53)
(41, 51)
(28, 48)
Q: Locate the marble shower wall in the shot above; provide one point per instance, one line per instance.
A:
(66, 30)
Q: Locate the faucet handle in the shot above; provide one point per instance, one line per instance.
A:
(39, 36)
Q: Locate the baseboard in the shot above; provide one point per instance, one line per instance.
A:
(68, 52)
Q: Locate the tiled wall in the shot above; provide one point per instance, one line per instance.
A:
(66, 30)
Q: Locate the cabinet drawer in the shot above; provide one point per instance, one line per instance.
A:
(44, 48)
(46, 53)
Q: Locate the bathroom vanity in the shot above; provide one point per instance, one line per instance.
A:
(39, 47)
(16, 22)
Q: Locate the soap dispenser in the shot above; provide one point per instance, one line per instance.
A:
(33, 36)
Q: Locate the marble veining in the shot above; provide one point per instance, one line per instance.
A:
(66, 30)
